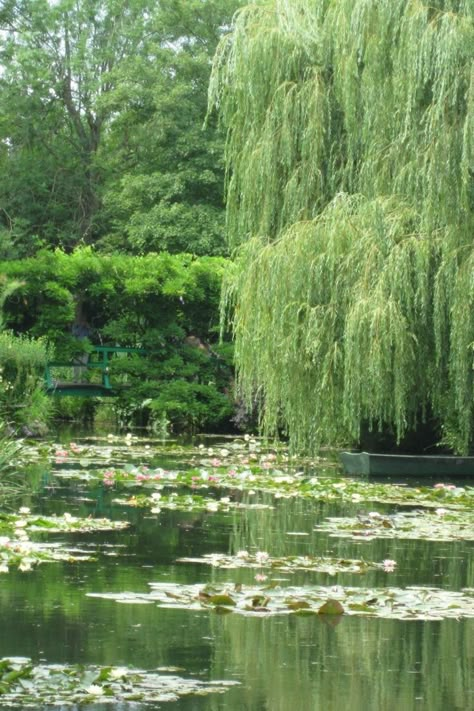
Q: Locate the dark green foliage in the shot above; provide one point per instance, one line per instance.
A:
(165, 304)
(101, 136)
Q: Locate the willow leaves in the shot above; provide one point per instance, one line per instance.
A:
(350, 163)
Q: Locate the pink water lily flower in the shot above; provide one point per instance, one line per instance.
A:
(389, 565)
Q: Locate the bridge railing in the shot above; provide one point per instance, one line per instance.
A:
(98, 360)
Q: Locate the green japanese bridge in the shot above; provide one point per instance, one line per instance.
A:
(94, 363)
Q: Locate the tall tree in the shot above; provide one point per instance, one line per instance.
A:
(59, 61)
(350, 198)
(94, 96)
(168, 193)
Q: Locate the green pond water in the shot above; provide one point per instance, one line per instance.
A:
(282, 662)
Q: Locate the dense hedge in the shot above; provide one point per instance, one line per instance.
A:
(165, 304)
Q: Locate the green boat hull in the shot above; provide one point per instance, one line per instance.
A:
(369, 464)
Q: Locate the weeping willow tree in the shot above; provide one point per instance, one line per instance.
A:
(350, 204)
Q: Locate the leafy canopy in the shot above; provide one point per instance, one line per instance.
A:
(350, 197)
(102, 104)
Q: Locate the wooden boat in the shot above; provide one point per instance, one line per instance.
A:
(406, 465)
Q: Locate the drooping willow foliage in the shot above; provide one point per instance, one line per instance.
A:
(350, 201)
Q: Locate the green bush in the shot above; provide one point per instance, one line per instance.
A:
(166, 304)
(23, 401)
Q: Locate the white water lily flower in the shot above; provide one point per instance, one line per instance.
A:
(156, 496)
(156, 510)
(242, 554)
(374, 514)
(441, 512)
(25, 510)
(95, 690)
(262, 557)
(118, 672)
(225, 500)
(4, 540)
(212, 506)
(3, 568)
(389, 565)
(25, 565)
(21, 523)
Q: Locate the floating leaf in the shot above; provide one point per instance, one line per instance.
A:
(23, 685)
(412, 603)
(331, 607)
(223, 599)
(186, 502)
(439, 525)
(54, 524)
(298, 605)
(287, 564)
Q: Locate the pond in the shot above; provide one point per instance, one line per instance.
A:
(212, 597)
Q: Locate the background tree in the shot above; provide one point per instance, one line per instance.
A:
(168, 188)
(350, 156)
(102, 105)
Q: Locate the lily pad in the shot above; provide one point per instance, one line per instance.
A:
(294, 484)
(412, 603)
(186, 502)
(57, 524)
(287, 564)
(25, 685)
(439, 525)
(23, 554)
(331, 607)
(243, 465)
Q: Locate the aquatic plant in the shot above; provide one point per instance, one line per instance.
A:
(187, 502)
(287, 564)
(65, 523)
(24, 684)
(440, 524)
(411, 603)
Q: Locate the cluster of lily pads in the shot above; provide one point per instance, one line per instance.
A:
(288, 564)
(25, 685)
(66, 523)
(441, 524)
(186, 502)
(210, 479)
(412, 603)
(281, 483)
(243, 465)
(17, 550)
